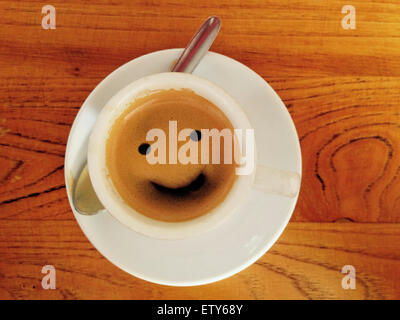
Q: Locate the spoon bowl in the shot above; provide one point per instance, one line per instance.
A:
(84, 197)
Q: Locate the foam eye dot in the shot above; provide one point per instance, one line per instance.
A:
(195, 135)
(144, 148)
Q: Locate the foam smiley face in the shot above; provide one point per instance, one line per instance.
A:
(158, 158)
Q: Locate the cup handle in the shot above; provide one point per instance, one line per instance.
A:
(276, 181)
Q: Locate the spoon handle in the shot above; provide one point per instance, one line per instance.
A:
(85, 199)
(198, 46)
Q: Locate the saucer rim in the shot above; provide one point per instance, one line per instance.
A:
(240, 267)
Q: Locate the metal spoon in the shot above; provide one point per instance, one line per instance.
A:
(84, 197)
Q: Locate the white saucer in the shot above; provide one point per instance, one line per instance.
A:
(248, 234)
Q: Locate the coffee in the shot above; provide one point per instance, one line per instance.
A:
(169, 191)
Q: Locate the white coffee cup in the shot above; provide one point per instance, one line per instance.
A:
(263, 178)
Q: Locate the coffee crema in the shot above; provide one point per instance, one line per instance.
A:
(168, 192)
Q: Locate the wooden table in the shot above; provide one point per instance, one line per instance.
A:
(342, 88)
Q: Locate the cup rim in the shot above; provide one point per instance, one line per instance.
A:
(103, 185)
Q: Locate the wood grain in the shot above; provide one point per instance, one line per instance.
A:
(341, 87)
(305, 263)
